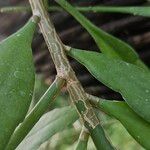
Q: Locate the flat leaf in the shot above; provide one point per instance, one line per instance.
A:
(135, 10)
(109, 45)
(135, 125)
(16, 80)
(132, 82)
(51, 123)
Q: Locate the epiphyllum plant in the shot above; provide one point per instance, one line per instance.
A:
(118, 67)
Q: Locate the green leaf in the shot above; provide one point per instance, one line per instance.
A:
(109, 45)
(47, 126)
(132, 82)
(135, 125)
(35, 114)
(141, 11)
(100, 139)
(16, 80)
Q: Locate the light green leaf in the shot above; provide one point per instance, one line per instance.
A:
(135, 125)
(135, 10)
(47, 126)
(108, 44)
(16, 80)
(131, 81)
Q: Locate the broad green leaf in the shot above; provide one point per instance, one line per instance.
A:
(16, 80)
(51, 123)
(135, 10)
(35, 114)
(135, 125)
(132, 82)
(109, 45)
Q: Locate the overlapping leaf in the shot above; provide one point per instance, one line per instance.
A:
(47, 126)
(131, 81)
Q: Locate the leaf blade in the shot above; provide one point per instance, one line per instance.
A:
(16, 80)
(132, 82)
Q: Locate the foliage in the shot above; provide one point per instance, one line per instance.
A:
(129, 80)
(16, 80)
(119, 68)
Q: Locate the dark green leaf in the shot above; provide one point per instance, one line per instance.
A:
(16, 80)
(109, 45)
(47, 126)
(135, 125)
(131, 81)
(100, 139)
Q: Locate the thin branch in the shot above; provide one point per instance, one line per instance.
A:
(62, 65)
(65, 71)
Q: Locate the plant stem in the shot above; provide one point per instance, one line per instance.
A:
(35, 114)
(62, 65)
(63, 68)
